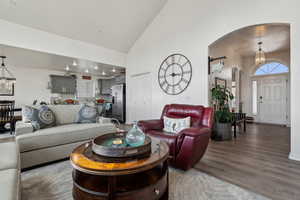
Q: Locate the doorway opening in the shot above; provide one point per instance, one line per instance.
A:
(254, 65)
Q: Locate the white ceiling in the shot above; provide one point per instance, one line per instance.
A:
(114, 24)
(18, 57)
(275, 37)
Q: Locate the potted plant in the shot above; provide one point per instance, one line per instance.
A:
(221, 97)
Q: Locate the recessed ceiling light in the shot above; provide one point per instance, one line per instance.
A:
(67, 68)
(86, 71)
(96, 67)
(103, 73)
(74, 63)
(113, 70)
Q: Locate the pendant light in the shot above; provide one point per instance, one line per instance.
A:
(6, 77)
(260, 57)
(74, 63)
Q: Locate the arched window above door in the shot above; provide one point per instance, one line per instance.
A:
(271, 68)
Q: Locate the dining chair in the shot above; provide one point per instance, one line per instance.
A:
(7, 115)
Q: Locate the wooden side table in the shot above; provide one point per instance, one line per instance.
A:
(101, 178)
(238, 118)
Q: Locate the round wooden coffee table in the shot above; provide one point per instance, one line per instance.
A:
(101, 178)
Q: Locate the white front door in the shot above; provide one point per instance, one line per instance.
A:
(272, 99)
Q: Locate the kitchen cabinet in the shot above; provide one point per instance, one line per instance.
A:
(63, 84)
(119, 80)
(105, 85)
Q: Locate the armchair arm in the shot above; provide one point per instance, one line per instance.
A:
(23, 128)
(194, 132)
(155, 124)
(191, 146)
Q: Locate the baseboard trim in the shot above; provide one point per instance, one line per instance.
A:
(294, 157)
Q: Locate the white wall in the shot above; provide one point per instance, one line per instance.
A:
(31, 84)
(189, 27)
(24, 37)
(233, 60)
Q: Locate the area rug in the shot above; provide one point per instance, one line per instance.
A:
(54, 182)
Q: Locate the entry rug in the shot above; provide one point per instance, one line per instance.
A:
(54, 182)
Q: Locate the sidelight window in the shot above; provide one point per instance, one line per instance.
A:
(254, 97)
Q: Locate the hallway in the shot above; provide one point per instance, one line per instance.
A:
(257, 160)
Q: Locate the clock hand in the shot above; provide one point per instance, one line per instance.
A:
(173, 71)
(174, 74)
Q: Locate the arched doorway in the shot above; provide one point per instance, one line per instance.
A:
(237, 65)
(263, 147)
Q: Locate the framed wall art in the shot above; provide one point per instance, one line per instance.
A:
(221, 82)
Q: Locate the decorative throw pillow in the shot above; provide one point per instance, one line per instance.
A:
(28, 113)
(87, 114)
(42, 117)
(175, 125)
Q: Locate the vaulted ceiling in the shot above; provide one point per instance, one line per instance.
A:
(114, 24)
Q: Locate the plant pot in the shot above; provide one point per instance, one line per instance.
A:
(222, 131)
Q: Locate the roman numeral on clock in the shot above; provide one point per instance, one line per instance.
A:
(186, 72)
(173, 59)
(173, 89)
(179, 86)
(184, 80)
(167, 88)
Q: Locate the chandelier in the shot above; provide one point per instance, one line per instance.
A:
(260, 57)
(6, 77)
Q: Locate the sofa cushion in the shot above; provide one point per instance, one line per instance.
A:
(9, 155)
(65, 114)
(9, 184)
(28, 113)
(23, 128)
(39, 117)
(87, 114)
(64, 134)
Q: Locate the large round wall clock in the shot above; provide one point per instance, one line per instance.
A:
(175, 74)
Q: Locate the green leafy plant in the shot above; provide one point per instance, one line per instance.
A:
(221, 97)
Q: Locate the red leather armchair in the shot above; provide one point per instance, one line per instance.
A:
(189, 145)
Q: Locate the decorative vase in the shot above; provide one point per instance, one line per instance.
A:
(135, 136)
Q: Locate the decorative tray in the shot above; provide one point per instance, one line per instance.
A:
(104, 146)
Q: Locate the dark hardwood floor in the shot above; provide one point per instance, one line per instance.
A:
(257, 160)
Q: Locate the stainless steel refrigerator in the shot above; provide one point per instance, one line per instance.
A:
(119, 102)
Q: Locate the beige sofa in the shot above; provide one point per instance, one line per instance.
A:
(55, 143)
(9, 170)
